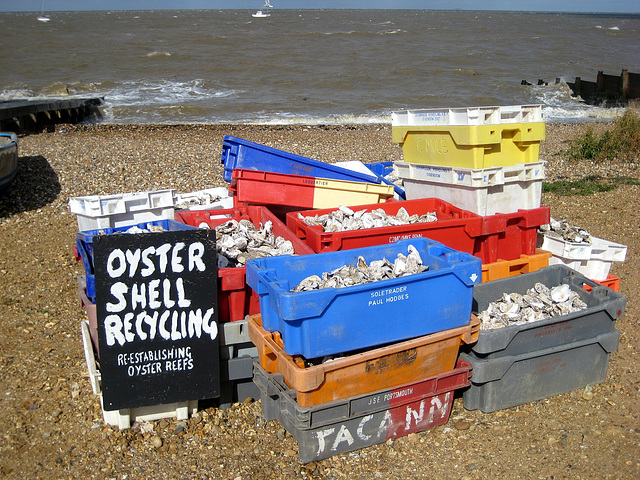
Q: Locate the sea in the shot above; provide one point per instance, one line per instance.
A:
(313, 66)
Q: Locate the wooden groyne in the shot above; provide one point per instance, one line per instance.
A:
(36, 115)
(606, 91)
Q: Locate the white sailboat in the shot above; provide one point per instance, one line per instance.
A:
(44, 18)
(262, 13)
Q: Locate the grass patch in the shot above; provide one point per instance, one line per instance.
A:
(588, 185)
(621, 142)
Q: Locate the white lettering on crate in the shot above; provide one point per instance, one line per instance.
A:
(331, 438)
(396, 238)
(388, 295)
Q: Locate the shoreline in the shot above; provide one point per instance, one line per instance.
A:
(138, 157)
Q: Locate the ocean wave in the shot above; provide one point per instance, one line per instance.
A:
(559, 105)
(13, 93)
(158, 54)
(164, 92)
(338, 119)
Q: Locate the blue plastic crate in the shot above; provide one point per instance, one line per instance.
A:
(84, 246)
(332, 321)
(382, 169)
(239, 153)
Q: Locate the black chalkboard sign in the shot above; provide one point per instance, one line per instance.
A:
(156, 302)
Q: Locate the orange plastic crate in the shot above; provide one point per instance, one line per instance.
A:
(364, 372)
(511, 268)
(612, 282)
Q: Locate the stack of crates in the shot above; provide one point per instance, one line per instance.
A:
(285, 182)
(366, 360)
(346, 368)
(483, 159)
(522, 363)
(486, 160)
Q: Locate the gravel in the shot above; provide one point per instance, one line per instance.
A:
(51, 422)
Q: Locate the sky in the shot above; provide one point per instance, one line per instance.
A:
(596, 6)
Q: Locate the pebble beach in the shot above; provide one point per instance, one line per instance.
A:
(52, 422)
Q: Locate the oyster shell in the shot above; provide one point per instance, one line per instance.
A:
(563, 230)
(361, 273)
(539, 303)
(345, 219)
(239, 241)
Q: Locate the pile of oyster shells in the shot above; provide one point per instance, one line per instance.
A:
(239, 241)
(361, 273)
(539, 303)
(562, 229)
(344, 219)
(201, 198)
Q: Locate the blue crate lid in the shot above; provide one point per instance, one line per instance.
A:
(243, 154)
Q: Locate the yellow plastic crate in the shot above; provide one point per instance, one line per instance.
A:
(329, 193)
(470, 146)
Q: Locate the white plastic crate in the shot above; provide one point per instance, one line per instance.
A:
(489, 115)
(601, 255)
(125, 417)
(207, 199)
(110, 211)
(564, 248)
(89, 356)
(485, 191)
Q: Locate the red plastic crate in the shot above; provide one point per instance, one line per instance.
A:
(283, 193)
(509, 235)
(235, 298)
(455, 228)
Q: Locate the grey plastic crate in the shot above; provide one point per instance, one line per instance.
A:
(236, 375)
(604, 307)
(235, 341)
(240, 368)
(509, 381)
(237, 391)
(358, 422)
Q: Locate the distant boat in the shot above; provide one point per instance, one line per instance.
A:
(42, 17)
(261, 13)
(8, 158)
